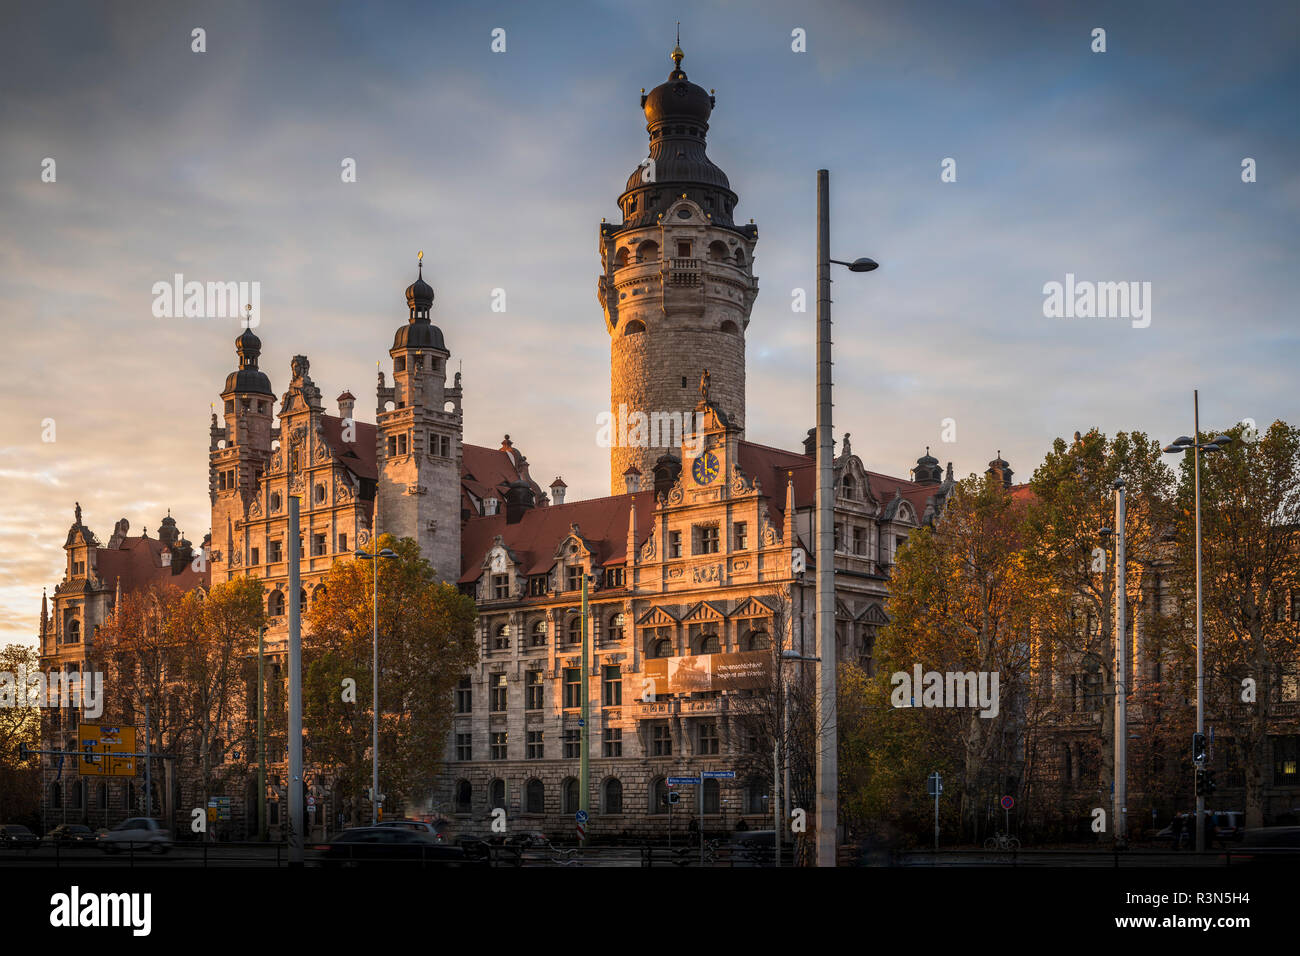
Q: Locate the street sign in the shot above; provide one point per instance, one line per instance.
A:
(581, 816)
(311, 801)
(674, 796)
(1007, 802)
(581, 722)
(934, 784)
(674, 781)
(719, 775)
(582, 831)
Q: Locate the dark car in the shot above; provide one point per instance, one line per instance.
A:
(71, 834)
(362, 846)
(1268, 846)
(439, 830)
(15, 836)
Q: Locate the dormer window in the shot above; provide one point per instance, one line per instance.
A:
(500, 586)
(573, 577)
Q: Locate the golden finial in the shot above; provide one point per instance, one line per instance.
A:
(677, 53)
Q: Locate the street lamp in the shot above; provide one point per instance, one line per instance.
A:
(374, 742)
(783, 800)
(1183, 444)
(828, 758)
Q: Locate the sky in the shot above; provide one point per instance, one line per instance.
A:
(225, 165)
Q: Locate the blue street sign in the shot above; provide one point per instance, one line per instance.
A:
(719, 775)
(581, 816)
(581, 722)
(676, 780)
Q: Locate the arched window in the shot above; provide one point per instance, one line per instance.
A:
(757, 798)
(302, 600)
(731, 328)
(717, 250)
(539, 634)
(740, 257)
(709, 644)
(758, 641)
(275, 501)
(633, 327)
(534, 796)
(620, 258)
(662, 648)
(575, 629)
(647, 251)
(464, 796)
(569, 794)
(502, 641)
(712, 797)
(275, 604)
(497, 794)
(850, 488)
(615, 632)
(74, 631)
(658, 796)
(613, 795)
(317, 593)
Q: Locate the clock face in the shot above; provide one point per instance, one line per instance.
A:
(705, 468)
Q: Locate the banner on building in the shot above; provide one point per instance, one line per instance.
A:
(747, 670)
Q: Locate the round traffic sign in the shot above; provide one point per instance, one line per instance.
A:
(1007, 803)
(581, 816)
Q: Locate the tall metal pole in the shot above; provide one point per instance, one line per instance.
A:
(778, 794)
(584, 756)
(295, 689)
(374, 666)
(148, 768)
(261, 734)
(1200, 657)
(787, 803)
(1120, 808)
(827, 762)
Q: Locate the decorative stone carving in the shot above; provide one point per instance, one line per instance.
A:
(738, 483)
(648, 549)
(277, 462)
(322, 450)
(363, 537)
(342, 489)
(296, 484)
(677, 492)
(255, 509)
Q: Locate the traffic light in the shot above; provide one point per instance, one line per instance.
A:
(1198, 748)
(1210, 785)
(1200, 782)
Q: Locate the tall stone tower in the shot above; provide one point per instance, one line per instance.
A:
(240, 451)
(677, 283)
(419, 439)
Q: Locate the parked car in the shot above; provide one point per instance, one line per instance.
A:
(71, 834)
(1228, 825)
(388, 844)
(439, 831)
(15, 836)
(137, 833)
(1268, 846)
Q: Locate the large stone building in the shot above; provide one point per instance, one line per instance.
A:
(688, 558)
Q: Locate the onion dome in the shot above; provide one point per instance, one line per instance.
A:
(248, 378)
(419, 332)
(677, 118)
(927, 470)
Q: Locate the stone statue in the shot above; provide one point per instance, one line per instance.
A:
(78, 512)
(704, 385)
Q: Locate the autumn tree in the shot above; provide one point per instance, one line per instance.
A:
(1250, 553)
(426, 642)
(20, 724)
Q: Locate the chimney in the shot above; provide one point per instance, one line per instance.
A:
(346, 402)
(557, 490)
(489, 506)
(632, 479)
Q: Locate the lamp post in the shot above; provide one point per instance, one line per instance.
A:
(374, 699)
(1183, 444)
(783, 787)
(1119, 797)
(827, 759)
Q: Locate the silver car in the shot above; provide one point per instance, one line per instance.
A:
(137, 833)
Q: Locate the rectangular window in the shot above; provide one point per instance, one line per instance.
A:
(573, 577)
(533, 690)
(1286, 761)
(275, 549)
(464, 696)
(255, 557)
(740, 534)
(674, 544)
(706, 540)
(444, 446)
(614, 578)
(572, 687)
(464, 746)
(661, 741)
(343, 542)
(708, 737)
(500, 586)
(859, 540)
(392, 445)
(497, 698)
(572, 744)
(499, 745)
(534, 750)
(613, 742)
(612, 683)
(537, 585)
(683, 250)
(838, 537)
(317, 545)
(401, 444)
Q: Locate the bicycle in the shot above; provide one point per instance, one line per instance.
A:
(1002, 841)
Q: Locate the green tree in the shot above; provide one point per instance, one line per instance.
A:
(426, 642)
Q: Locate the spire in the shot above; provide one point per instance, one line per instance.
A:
(632, 552)
(788, 530)
(677, 53)
(45, 614)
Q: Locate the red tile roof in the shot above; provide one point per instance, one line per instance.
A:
(138, 563)
(358, 456)
(602, 522)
